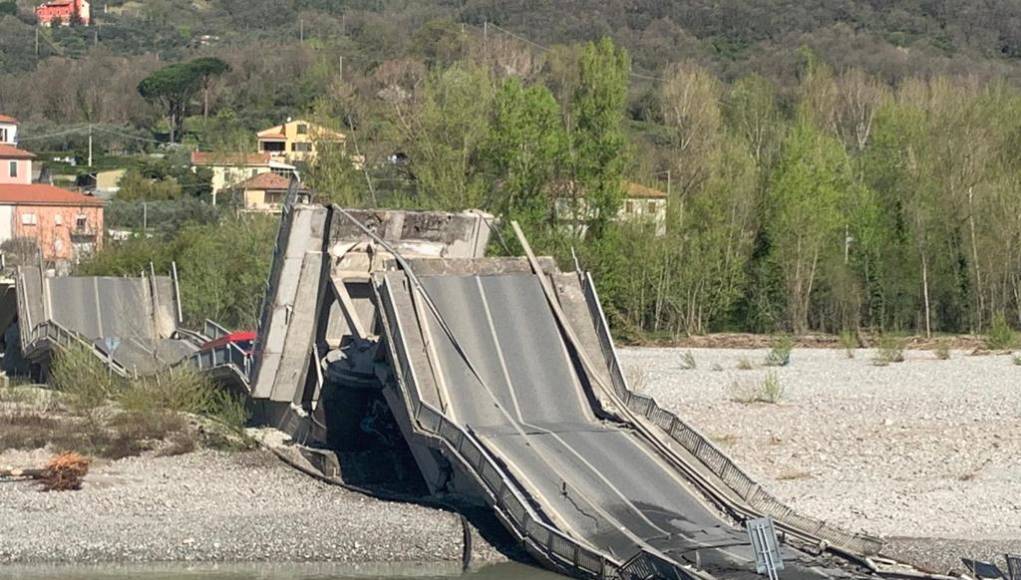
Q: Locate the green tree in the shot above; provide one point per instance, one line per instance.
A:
(134, 186)
(173, 86)
(599, 143)
(525, 148)
(443, 134)
(805, 201)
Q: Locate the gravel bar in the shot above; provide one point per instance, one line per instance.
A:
(925, 452)
(215, 506)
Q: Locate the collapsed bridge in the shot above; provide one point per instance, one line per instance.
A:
(498, 380)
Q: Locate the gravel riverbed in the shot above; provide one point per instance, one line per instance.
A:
(214, 506)
(926, 453)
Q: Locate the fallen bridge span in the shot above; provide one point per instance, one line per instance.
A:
(501, 378)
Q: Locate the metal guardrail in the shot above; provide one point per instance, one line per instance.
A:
(52, 333)
(213, 330)
(705, 451)
(558, 547)
(229, 356)
(506, 498)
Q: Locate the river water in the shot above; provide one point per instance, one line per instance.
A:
(272, 571)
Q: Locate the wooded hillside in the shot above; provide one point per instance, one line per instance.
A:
(831, 165)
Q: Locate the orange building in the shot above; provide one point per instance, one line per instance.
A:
(66, 225)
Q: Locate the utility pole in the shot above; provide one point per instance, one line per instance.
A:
(90, 145)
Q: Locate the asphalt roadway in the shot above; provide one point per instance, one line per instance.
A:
(598, 481)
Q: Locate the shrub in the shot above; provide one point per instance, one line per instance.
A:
(780, 353)
(890, 350)
(943, 349)
(770, 390)
(86, 380)
(1001, 336)
(688, 361)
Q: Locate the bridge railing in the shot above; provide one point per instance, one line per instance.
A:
(228, 355)
(50, 332)
(507, 499)
(718, 462)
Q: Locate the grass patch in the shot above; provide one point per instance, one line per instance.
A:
(637, 378)
(23, 429)
(770, 391)
(688, 361)
(1001, 336)
(726, 440)
(890, 350)
(105, 415)
(779, 354)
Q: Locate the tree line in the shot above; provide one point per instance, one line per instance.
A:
(840, 203)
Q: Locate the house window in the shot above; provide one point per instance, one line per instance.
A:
(302, 129)
(28, 219)
(272, 146)
(14, 169)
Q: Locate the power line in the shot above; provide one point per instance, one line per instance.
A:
(57, 134)
(126, 135)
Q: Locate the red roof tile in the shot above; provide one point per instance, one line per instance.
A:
(268, 180)
(12, 152)
(42, 194)
(6, 119)
(209, 158)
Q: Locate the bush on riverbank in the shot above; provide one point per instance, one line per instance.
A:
(92, 411)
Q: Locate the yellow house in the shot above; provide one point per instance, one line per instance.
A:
(266, 193)
(295, 141)
(640, 204)
(230, 169)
